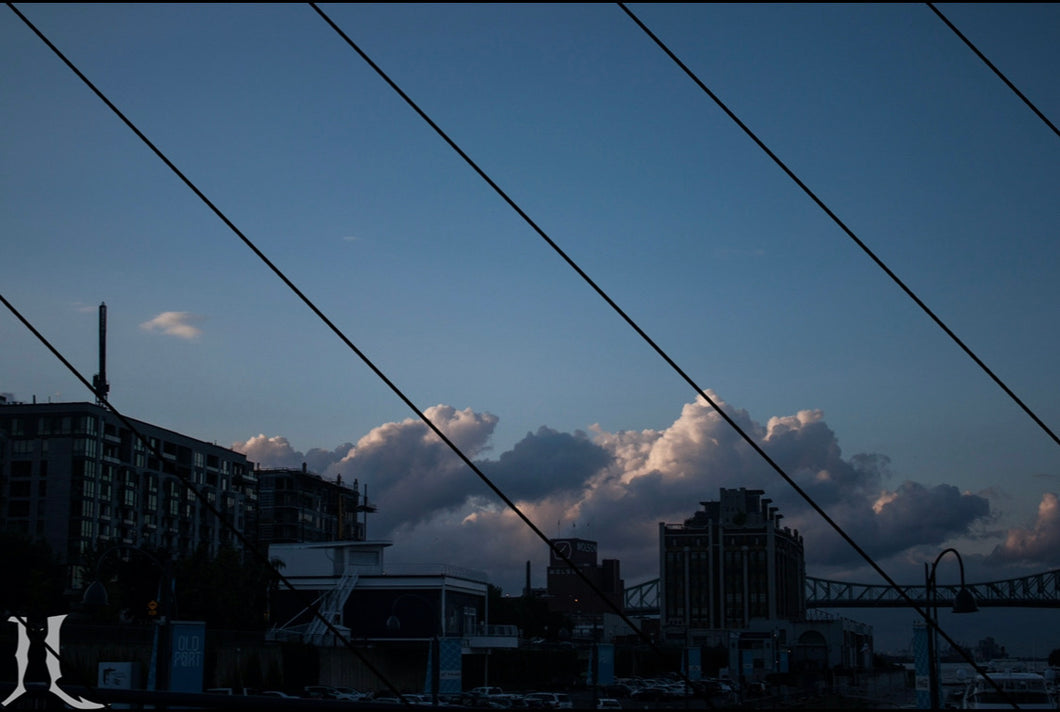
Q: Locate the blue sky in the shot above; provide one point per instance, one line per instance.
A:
(661, 199)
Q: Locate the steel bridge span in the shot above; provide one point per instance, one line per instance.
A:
(1041, 590)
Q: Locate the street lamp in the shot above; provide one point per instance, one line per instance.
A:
(95, 596)
(963, 602)
(393, 624)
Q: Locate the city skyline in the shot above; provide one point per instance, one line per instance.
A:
(905, 134)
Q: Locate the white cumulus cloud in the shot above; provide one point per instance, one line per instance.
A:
(616, 488)
(174, 323)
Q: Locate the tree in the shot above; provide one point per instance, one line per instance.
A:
(1054, 658)
(36, 577)
(226, 591)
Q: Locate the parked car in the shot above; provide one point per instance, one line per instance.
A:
(650, 694)
(485, 691)
(319, 692)
(542, 700)
(608, 703)
(349, 694)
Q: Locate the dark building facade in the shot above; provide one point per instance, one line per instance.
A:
(729, 564)
(73, 475)
(568, 593)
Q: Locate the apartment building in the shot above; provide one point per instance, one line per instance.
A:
(75, 476)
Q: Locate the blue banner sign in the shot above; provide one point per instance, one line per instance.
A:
(187, 655)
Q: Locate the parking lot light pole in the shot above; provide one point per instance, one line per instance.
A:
(963, 602)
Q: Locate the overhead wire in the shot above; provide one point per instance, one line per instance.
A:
(842, 226)
(375, 369)
(334, 329)
(154, 449)
(643, 334)
(248, 546)
(994, 69)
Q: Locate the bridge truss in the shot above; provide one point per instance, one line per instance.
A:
(1041, 590)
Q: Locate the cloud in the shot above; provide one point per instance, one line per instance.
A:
(914, 515)
(546, 462)
(1040, 544)
(276, 451)
(413, 475)
(615, 487)
(179, 324)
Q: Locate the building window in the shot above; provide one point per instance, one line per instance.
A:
(85, 447)
(89, 469)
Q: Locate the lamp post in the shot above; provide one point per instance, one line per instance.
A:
(963, 602)
(95, 596)
(393, 623)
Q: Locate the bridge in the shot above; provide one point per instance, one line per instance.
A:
(1041, 590)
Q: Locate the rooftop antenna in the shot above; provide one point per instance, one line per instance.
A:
(99, 381)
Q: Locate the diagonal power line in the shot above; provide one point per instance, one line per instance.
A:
(404, 398)
(155, 450)
(349, 344)
(843, 226)
(995, 70)
(655, 346)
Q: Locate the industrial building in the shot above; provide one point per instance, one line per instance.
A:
(568, 593)
(731, 563)
(732, 588)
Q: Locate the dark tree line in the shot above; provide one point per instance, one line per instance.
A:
(34, 578)
(228, 590)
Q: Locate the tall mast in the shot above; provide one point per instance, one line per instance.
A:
(99, 381)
